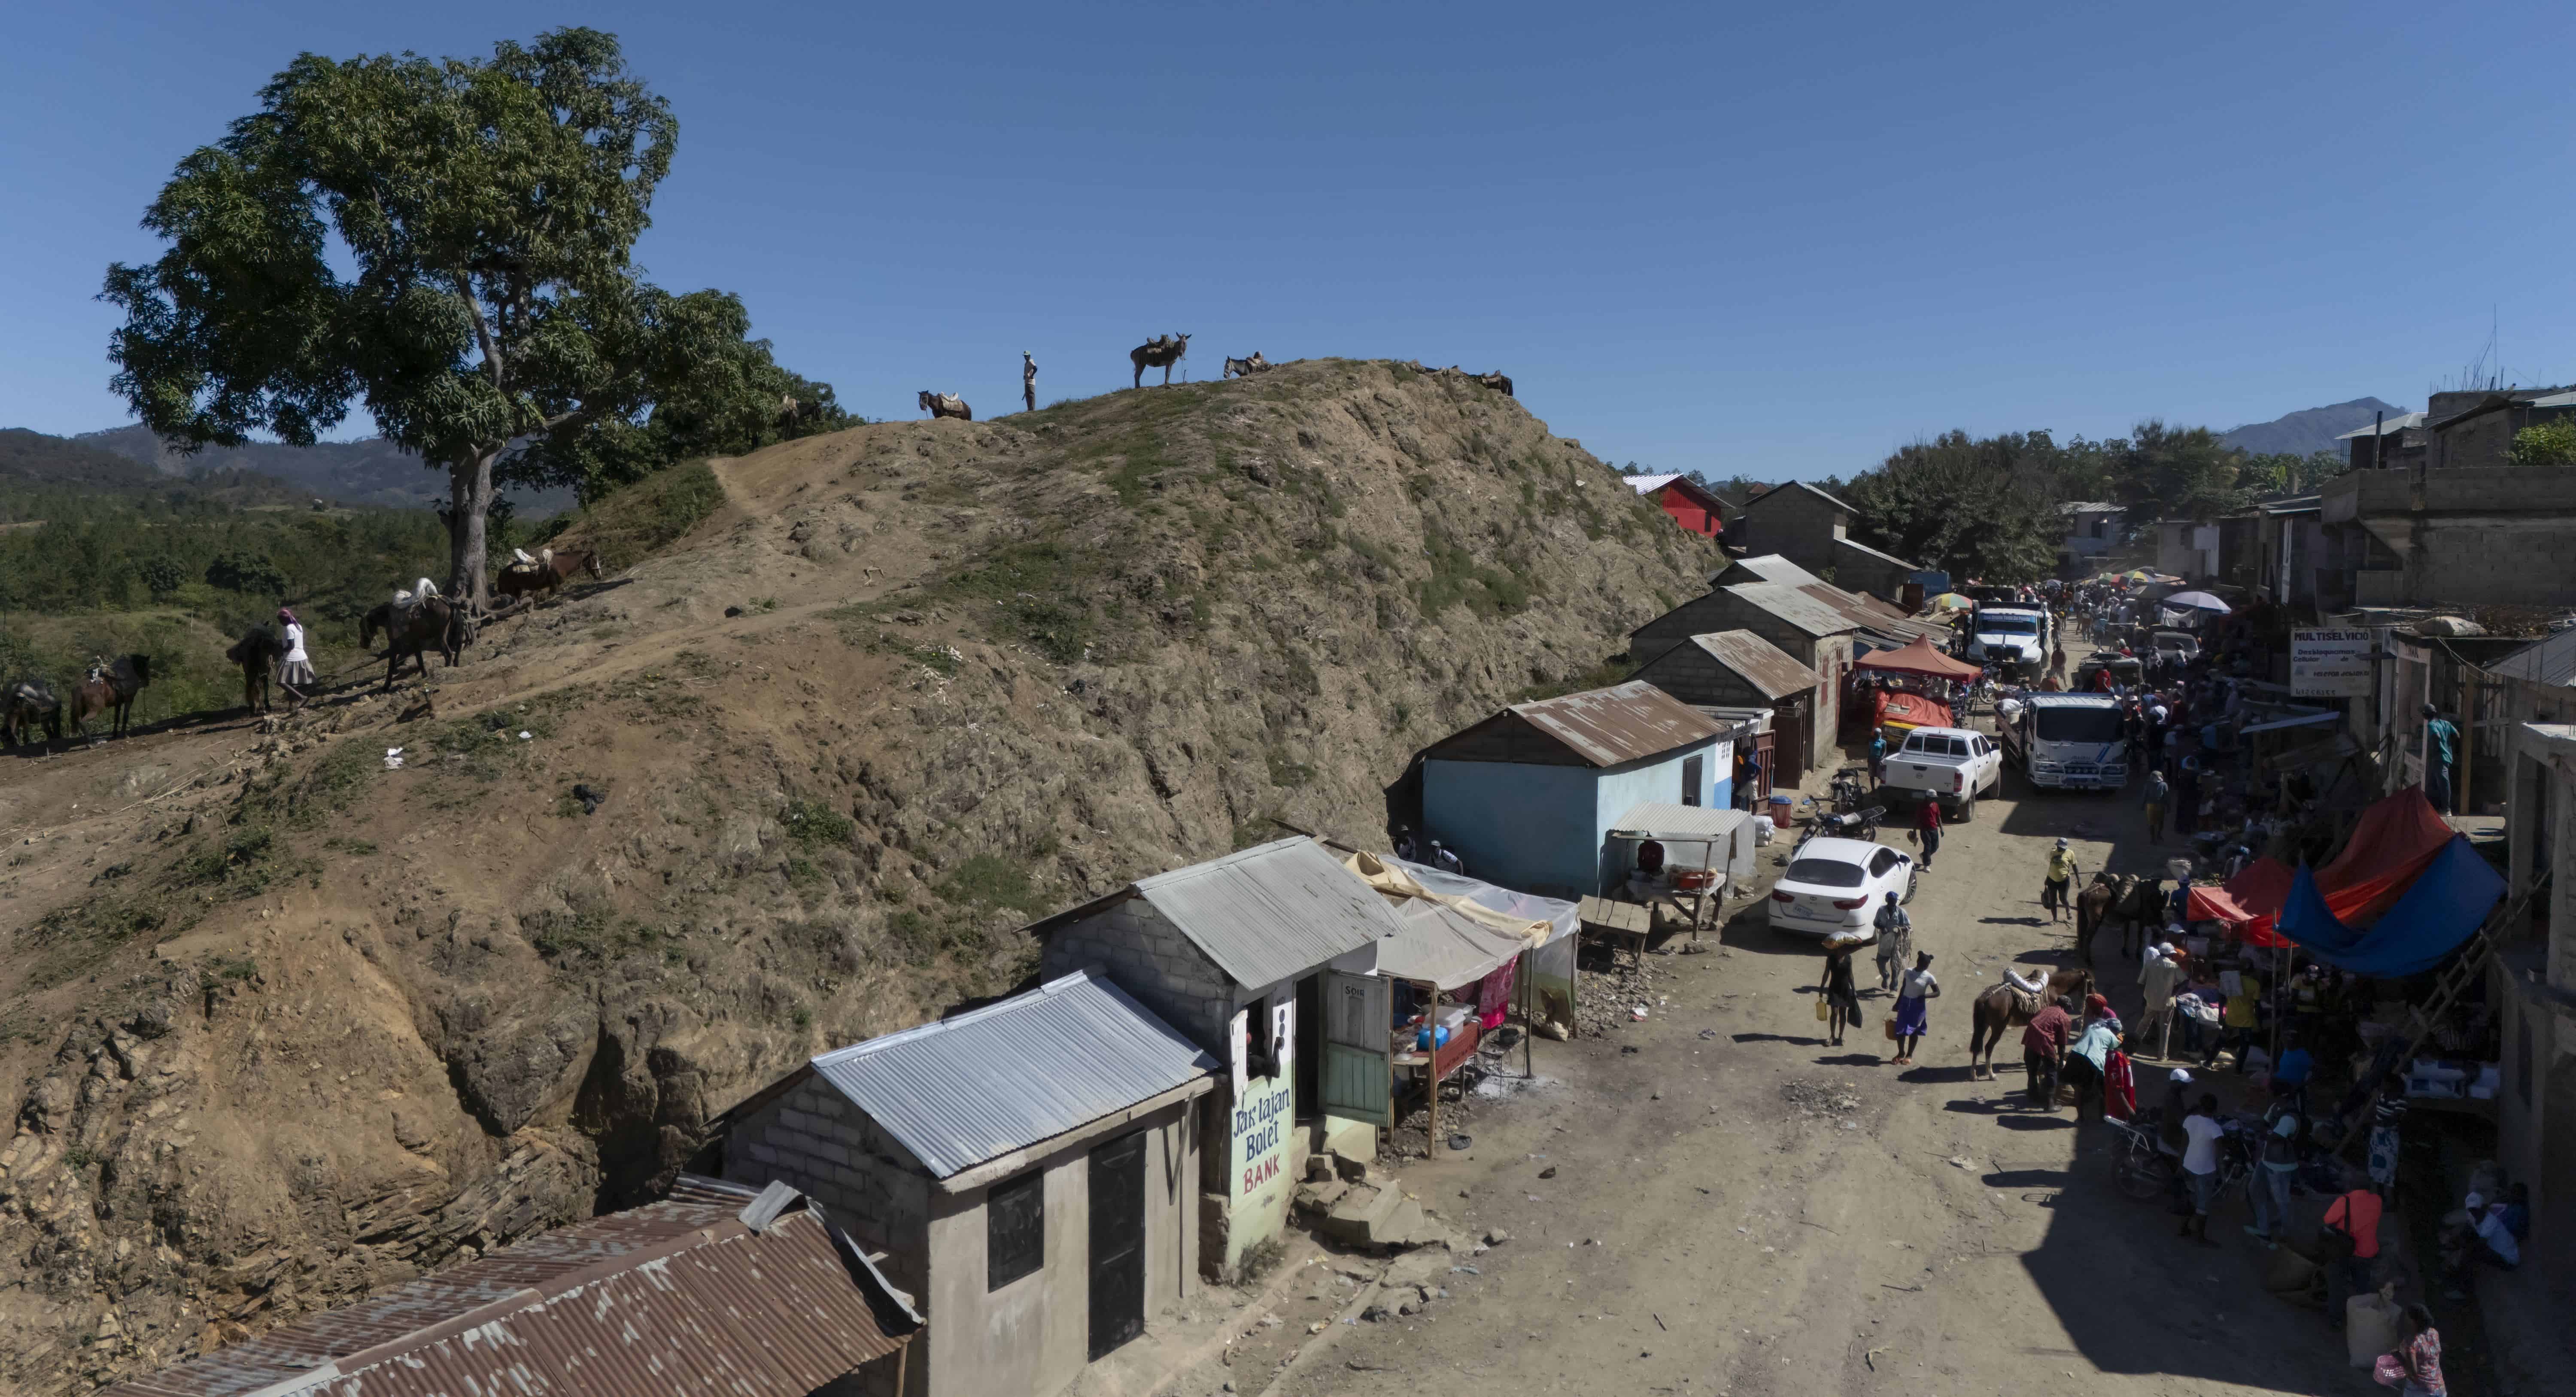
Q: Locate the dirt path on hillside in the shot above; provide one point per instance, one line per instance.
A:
(1739, 1209)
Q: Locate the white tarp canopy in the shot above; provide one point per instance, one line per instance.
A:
(1537, 920)
(1693, 836)
(1443, 946)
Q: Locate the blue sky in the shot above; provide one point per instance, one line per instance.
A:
(1697, 237)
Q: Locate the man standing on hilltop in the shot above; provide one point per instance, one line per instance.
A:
(1028, 380)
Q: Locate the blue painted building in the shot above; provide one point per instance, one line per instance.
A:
(1528, 796)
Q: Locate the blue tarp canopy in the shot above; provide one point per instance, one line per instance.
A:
(2438, 912)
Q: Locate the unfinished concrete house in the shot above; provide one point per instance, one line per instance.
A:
(1028, 1170)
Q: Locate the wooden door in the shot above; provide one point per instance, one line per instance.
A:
(1117, 1242)
(1358, 1016)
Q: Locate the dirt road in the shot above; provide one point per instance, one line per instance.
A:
(1739, 1209)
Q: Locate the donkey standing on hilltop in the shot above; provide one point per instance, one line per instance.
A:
(1160, 352)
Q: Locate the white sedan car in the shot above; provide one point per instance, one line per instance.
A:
(1836, 886)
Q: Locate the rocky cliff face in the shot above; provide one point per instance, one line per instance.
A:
(292, 1025)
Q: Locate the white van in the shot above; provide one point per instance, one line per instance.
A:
(2069, 742)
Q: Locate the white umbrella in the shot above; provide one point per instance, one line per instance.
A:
(2194, 601)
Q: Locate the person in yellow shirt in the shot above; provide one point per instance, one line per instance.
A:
(2237, 1022)
(2057, 894)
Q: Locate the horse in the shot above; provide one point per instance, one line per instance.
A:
(548, 573)
(110, 689)
(2144, 911)
(2094, 904)
(1160, 352)
(940, 405)
(414, 629)
(23, 706)
(2002, 1007)
(259, 652)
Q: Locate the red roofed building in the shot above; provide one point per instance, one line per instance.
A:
(1692, 507)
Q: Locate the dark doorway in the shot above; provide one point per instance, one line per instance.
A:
(1692, 775)
(1117, 1243)
(1310, 1047)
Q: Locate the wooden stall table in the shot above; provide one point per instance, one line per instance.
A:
(1602, 917)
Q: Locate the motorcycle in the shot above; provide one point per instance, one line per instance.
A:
(1831, 824)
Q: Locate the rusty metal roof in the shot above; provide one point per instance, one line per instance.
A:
(1817, 616)
(1625, 723)
(1768, 668)
(678, 1297)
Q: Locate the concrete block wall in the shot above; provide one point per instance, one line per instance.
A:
(1147, 956)
(814, 1140)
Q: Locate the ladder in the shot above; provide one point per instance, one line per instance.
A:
(2455, 982)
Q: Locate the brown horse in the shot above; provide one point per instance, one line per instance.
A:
(411, 632)
(549, 573)
(258, 652)
(2144, 910)
(110, 689)
(2001, 1008)
(2093, 907)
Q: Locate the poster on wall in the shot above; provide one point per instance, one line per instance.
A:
(2330, 663)
(1265, 1108)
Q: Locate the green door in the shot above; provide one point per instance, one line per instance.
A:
(1357, 1081)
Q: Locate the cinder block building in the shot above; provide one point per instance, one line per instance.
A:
(1739, 669)
(1236, 953)
(1026, 1169)
(1814, 631)
(2424, 537)
(1813, 530)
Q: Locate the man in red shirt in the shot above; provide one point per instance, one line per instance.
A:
(2353, 1217)
(1927, 828)
(2043, 1047)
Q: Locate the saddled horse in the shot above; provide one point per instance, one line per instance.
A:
(413, 629)
(548, 572)
(26, 705)
(2094, 905)
(110, 689)
(259, 652)
(2142, 911)
(2002, 1008)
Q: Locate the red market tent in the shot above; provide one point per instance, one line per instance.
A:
(2395, 840)
(1918, 658)
(2210, 904)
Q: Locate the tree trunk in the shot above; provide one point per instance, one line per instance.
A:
(470, 507)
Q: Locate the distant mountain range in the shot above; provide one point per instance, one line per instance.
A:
(374, 471)
(2309, 430)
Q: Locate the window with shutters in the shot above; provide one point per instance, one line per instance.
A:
(1014, 1229)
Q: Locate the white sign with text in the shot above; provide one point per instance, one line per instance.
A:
(2330, 664)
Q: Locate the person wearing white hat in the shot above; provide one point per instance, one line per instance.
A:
(2156, 986)
(2056, 893)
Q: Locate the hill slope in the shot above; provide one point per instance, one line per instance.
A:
(291, 1025)
(2309, 430)
(373, 471)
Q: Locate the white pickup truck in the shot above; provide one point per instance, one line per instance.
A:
(1951, 765)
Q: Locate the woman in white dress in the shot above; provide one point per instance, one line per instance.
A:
(295, 673)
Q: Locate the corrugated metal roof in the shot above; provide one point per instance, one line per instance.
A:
(1810, 489)
(673, 1297)
(2398, 423)
(1795, 606)
(1771, 567)
(1860, 612)
(1662, 818)
(1648, 484)
(1621, 724)
(964, 1090)
(1768, 668)
(2554, 400)
(1271, 912)
(2548, 660)
(1859, 547)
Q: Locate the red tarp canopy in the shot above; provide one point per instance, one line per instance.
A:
(1895, 708)
(1917, 658)
(2210, 904)
(2396, 840)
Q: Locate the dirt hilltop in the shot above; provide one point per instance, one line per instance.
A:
(288, 1025)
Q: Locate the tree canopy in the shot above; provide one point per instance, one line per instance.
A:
(1981, 507)
(487, 211)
